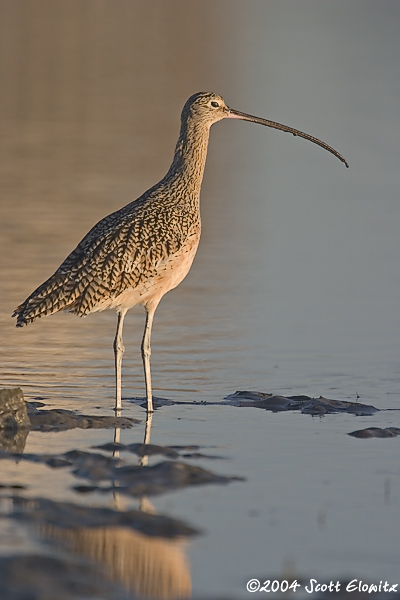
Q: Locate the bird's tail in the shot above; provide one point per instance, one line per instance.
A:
(78, 291)
(50, 297)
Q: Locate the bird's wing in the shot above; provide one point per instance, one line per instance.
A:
(118, 253)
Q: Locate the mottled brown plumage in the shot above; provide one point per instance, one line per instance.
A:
(140, 252)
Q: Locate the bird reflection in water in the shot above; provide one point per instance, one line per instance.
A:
(153, 567)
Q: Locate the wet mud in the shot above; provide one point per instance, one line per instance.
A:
(306, 405)
(277, 403)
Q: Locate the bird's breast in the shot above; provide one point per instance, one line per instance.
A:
(160, 279)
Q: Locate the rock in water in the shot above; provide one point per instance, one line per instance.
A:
(14, 420)
(13, 413)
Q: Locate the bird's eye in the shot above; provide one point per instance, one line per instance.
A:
(215, 104)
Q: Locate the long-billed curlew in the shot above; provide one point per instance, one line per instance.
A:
(142, 251)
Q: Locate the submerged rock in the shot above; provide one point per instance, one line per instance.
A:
(376, 432)
(173, 452)
(128, 479)
(59, 419)
(93, 462)
(67, 515)
(140, 481)
(140, 449)
(157, 402)
(310, 406)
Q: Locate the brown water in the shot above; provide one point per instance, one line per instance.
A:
(295, 288)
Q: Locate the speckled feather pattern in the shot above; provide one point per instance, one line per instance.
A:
(132, 247)
(119, 253)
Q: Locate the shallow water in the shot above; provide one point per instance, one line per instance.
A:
(294, 290)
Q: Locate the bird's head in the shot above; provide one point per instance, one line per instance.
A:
(205, 107)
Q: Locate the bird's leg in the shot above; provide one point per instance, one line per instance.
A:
(118, 353)
(146, 352)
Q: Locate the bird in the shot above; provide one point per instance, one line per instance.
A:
(145, 249)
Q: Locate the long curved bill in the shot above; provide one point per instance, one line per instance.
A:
(235, 114)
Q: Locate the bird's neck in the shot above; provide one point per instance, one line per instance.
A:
(190, 157)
